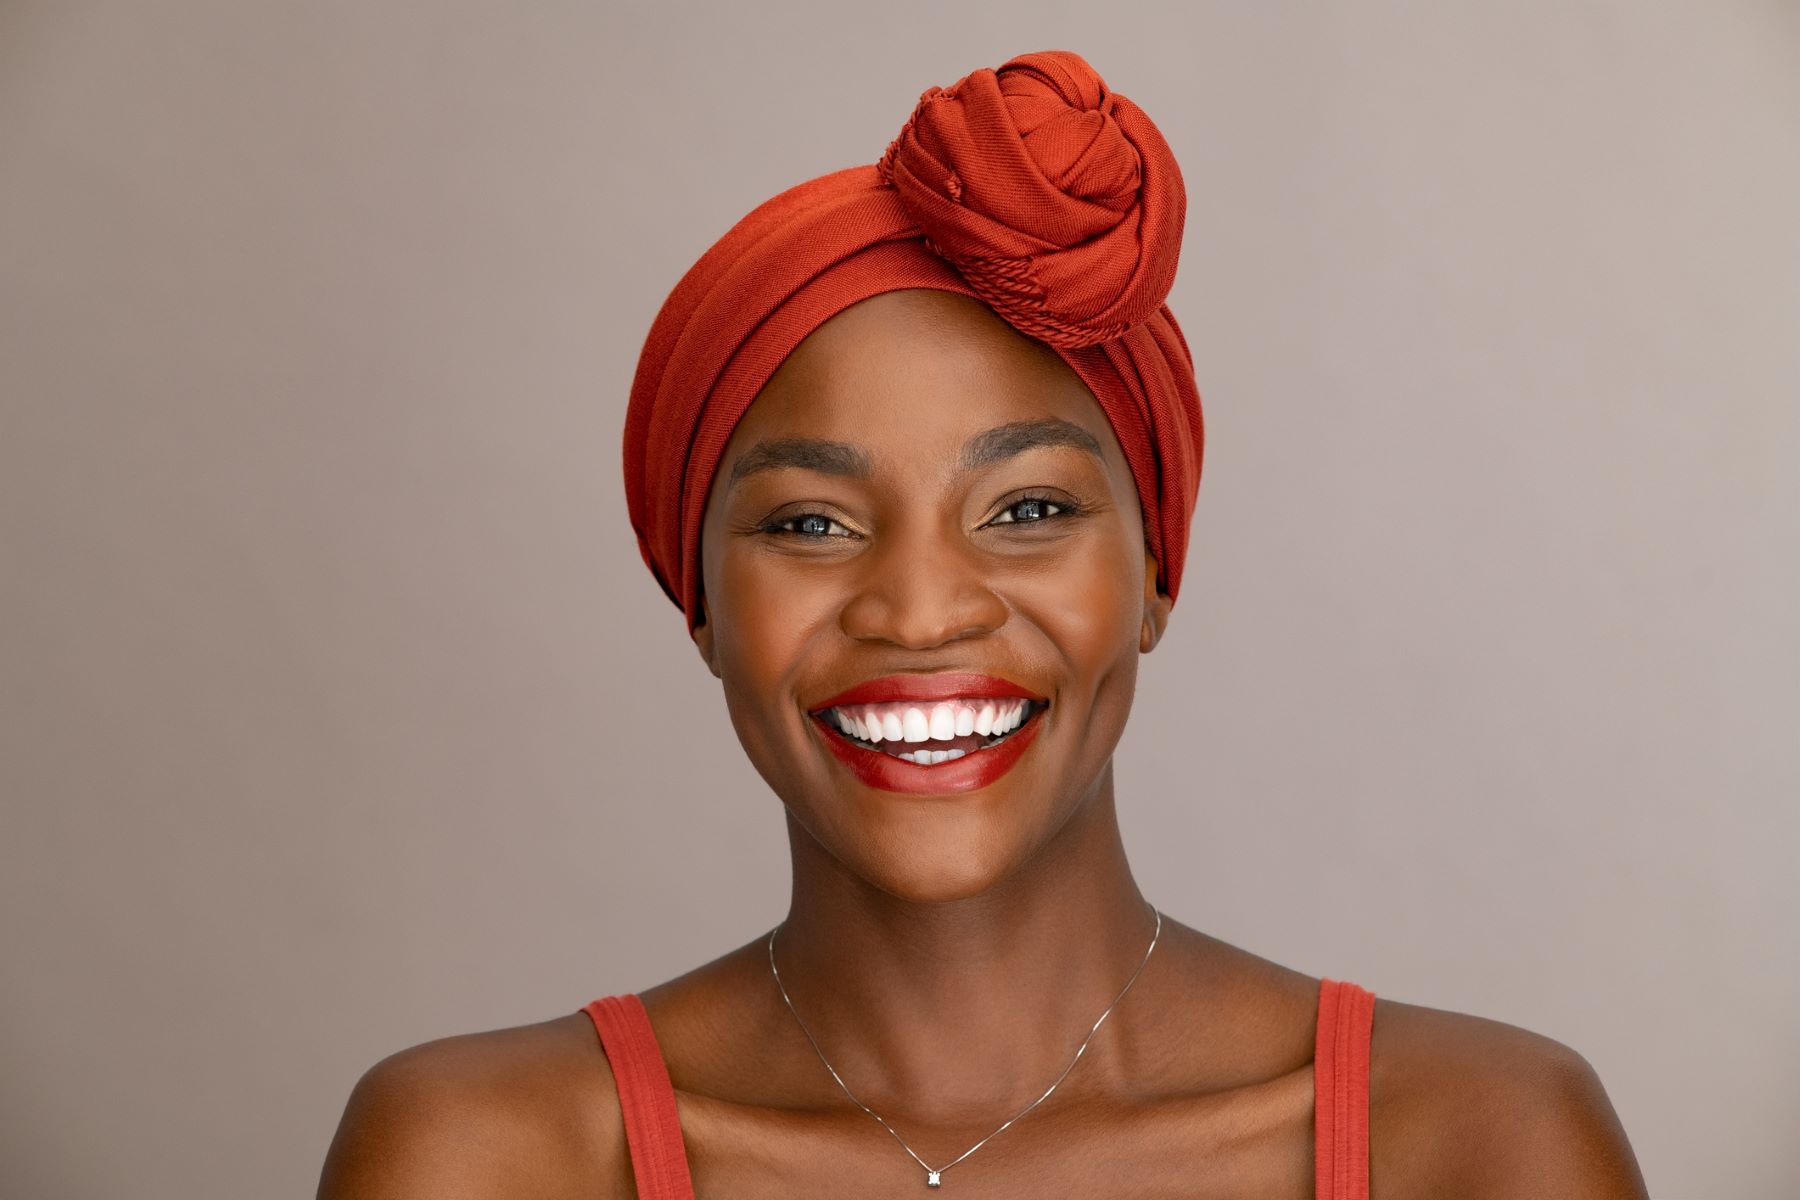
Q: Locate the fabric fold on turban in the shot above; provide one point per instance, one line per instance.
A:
(1033, 188)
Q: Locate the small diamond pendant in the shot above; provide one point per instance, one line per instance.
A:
(932, 1180)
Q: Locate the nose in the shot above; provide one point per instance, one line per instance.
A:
(923, 588)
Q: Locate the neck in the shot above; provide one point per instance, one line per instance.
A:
(950, 1011)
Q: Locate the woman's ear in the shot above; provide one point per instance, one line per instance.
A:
(1156, 608)
(703, 638)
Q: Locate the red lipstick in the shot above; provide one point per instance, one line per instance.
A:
(971, 772)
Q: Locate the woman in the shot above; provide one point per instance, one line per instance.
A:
(914, 447)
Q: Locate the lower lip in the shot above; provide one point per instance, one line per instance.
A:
(972, 772)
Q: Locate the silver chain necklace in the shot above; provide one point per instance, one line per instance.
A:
(933, 1175)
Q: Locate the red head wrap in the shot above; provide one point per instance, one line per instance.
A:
(1033, 188)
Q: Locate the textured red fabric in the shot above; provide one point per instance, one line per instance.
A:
(1341, 1091)
(1340, 1094)
(1057, 199)
(652, 1123)
(1033, 188)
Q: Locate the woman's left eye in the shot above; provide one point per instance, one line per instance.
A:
(1037, 506)
(814, 525)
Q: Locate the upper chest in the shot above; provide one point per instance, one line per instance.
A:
(1253, 1141)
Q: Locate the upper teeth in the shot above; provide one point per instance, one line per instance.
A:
(938, 722)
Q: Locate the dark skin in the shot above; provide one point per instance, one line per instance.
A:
(950, 953)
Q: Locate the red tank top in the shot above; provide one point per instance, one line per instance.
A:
(1340, 1094)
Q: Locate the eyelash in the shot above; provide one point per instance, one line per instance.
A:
(1069, 509)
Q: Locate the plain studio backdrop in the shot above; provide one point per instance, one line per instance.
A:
(341, 714)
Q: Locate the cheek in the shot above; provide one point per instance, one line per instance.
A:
(764, 612)
(1091, 599)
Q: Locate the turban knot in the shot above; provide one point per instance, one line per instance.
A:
(1053, 196)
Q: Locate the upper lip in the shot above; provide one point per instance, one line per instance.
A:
(946, 685)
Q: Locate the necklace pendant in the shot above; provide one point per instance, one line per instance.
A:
(932, 1180)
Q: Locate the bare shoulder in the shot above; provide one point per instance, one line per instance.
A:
(529, 1110)
(1467, 1106)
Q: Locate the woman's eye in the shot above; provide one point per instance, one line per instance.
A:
(1032, 510)
(813, 526)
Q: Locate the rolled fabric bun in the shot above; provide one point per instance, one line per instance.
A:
(1055, 197)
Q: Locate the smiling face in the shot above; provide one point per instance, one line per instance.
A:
(922, 489)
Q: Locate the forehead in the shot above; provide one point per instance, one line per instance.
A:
(914, 367)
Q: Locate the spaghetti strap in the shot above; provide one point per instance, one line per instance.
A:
(652, 1127)
(1341, 1091)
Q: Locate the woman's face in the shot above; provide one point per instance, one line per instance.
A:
(921, 489)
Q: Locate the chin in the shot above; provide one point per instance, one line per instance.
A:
(932, 855)
(937, 887)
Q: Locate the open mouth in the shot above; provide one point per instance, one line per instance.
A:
(929, 734)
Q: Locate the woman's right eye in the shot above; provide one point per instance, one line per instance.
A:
(812, 526)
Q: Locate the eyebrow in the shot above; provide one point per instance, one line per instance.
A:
(808, 454)
(1005, 441)
(846, 460)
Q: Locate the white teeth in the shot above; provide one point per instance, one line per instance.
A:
(939, 722)
(862, 723)
(984, 720)
(930, 758)
(1009, 717)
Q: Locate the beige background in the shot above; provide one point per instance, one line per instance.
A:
(340, 713)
